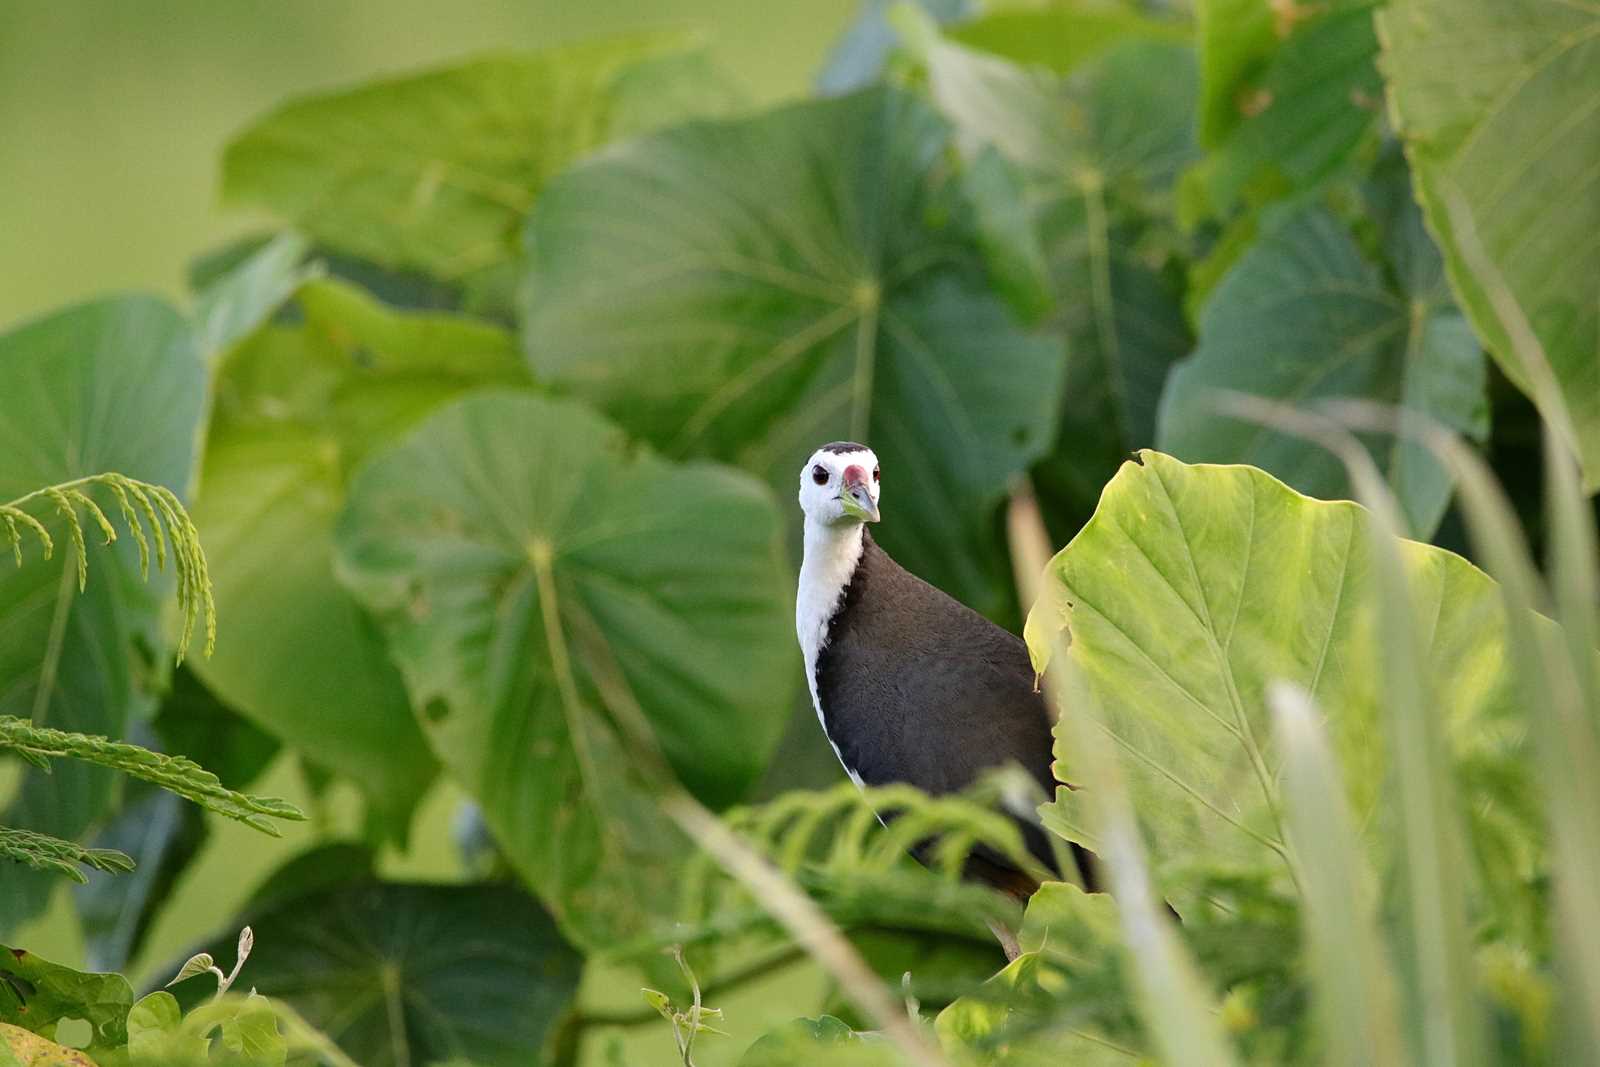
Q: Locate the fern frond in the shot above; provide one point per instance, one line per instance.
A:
(850, 849)
(45, 853)
(149, 512)
(176, 774)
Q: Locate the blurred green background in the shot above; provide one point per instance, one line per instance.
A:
(115, 114)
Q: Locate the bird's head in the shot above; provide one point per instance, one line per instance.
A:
(839, 484)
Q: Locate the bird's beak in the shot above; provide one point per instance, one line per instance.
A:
(857, 501)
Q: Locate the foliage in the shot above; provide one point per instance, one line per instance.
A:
(435, 171)
(488, 454)
(407, 973)
(150, 513)
(1492, 100)
(531, 574)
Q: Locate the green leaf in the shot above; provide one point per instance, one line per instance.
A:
(1235, 40)
(19, 1048)
(1064, 997)
(297, 409)
(434, 171)
(531, 572)
(1099, 152)
(1302, 317)
(1062, 36)
(1190, 590)
(114, 385)
(401, 974)
(1495, 101)
(1031, 1014)
(807, 1042)
(36, 994)
(237, 303)
(751, 289)
(1286, 100)
(193, 721)
(859, 57)
(156, 1034)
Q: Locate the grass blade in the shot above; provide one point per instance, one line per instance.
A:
(1445, 1023)
(1353, 984)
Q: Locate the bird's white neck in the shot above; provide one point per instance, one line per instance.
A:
(831, 555)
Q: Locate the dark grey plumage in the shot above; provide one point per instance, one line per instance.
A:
(915, 687)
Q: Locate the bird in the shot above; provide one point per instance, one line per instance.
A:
(909, 684)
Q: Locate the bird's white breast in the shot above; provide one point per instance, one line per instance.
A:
(831, 555)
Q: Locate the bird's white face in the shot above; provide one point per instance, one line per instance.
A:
(839, 484)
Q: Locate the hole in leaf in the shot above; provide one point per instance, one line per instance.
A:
(74, 1033)
(436, 710)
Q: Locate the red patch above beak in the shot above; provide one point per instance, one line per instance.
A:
(855, 474)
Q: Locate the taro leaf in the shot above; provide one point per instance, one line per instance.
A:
(193, 722)
(1302, 317)
(408, 974)
(531, 571)
(236, 303)
(752, 289)
(36, 994)
(113, 385)
(1236, 39)
(1062, 36)
(1189, 591)
(808, 1042)
(297, 409)
(1496, 102)
(1099, 152)
(1287, 98)
(434, 171)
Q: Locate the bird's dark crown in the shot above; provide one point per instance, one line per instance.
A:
(839, 448)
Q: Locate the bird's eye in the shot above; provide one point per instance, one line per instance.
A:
(874, 473)
(819, 474)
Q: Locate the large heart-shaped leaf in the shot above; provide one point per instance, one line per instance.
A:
(1099, 152)
(1190, 590)
(402, 974)
(1304, 316)
(115, 385)
(755, 288)
(435, 171)
(1496, 102)
(530, 572)
(297, 409)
